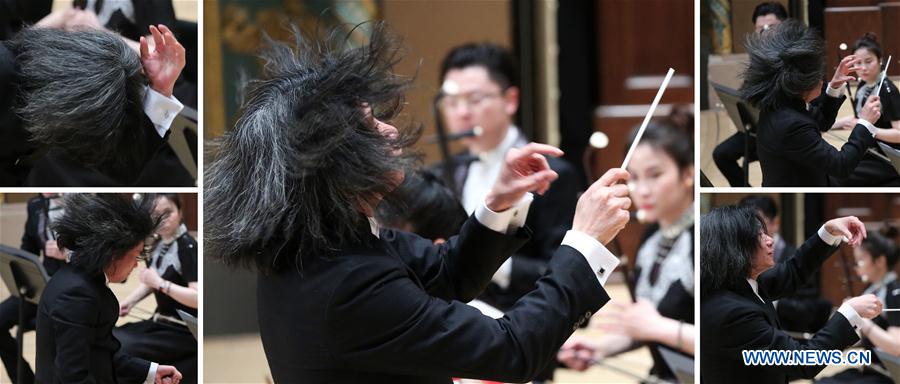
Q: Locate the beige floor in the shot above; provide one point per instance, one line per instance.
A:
(184, 9)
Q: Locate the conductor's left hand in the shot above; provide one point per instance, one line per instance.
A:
(849, 227)
(167, 374)
(524, 169)
(164, 62)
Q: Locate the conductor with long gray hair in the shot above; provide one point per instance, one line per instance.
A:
(291, 193)
(784, 81)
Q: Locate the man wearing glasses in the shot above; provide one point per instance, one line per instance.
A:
(480, 94)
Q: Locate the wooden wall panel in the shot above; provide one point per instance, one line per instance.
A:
(642, 38)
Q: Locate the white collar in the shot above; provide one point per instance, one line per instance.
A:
(755, 286)
(373, 225)
(496, 155)
(106, 278)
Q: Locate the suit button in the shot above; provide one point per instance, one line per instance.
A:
(587, 315)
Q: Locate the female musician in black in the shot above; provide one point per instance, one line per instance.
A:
(873, 171)
(662, 188)
(171, 275)
(875, 262)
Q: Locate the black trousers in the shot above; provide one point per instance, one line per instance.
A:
(162, 343)
(9, 352)
(727, 154)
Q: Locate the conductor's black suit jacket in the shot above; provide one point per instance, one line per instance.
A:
(75, 344)
(792, 152)
(393, 311)
(734, 320)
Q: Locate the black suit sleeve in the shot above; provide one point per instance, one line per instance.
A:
(804, 145)
(824, 109)
(74, 316)
(130, 369)
(384, 322)
(153, 12)
(746, 328)
(460, 268)
(786, 278)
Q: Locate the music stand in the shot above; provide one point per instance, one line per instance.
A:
(681, 365)
(744, 118)
(189, 320)
(891, 362)
(893, 155)
(183, 139)
(25, 277)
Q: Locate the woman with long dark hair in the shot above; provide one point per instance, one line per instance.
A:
(739, 280)
(784, 81)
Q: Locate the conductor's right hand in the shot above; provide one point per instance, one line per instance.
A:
(871, 111)
(867, 306)
(602, 210)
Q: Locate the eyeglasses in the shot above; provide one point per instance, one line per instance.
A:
(472, 100)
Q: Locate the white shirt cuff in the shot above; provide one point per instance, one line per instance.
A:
(834, 92)
(151, 375)
(868, 126)
(161, 110)
(829, 238)
(503, 274)
(601, 260)
(851, 315)
(508, 221)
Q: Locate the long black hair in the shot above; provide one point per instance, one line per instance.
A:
(786, 61)
(101, 228)
(729, 236)
(286, 181)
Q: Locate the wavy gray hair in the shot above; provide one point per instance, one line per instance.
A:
(785, 62)
(286, 181)
(82, 92)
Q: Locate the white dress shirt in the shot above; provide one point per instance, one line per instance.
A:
(161, 109)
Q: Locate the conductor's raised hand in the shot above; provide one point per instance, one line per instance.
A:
(602, 210)
(524, 170)
(848, 65)
(849, 227)
(164, 62)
